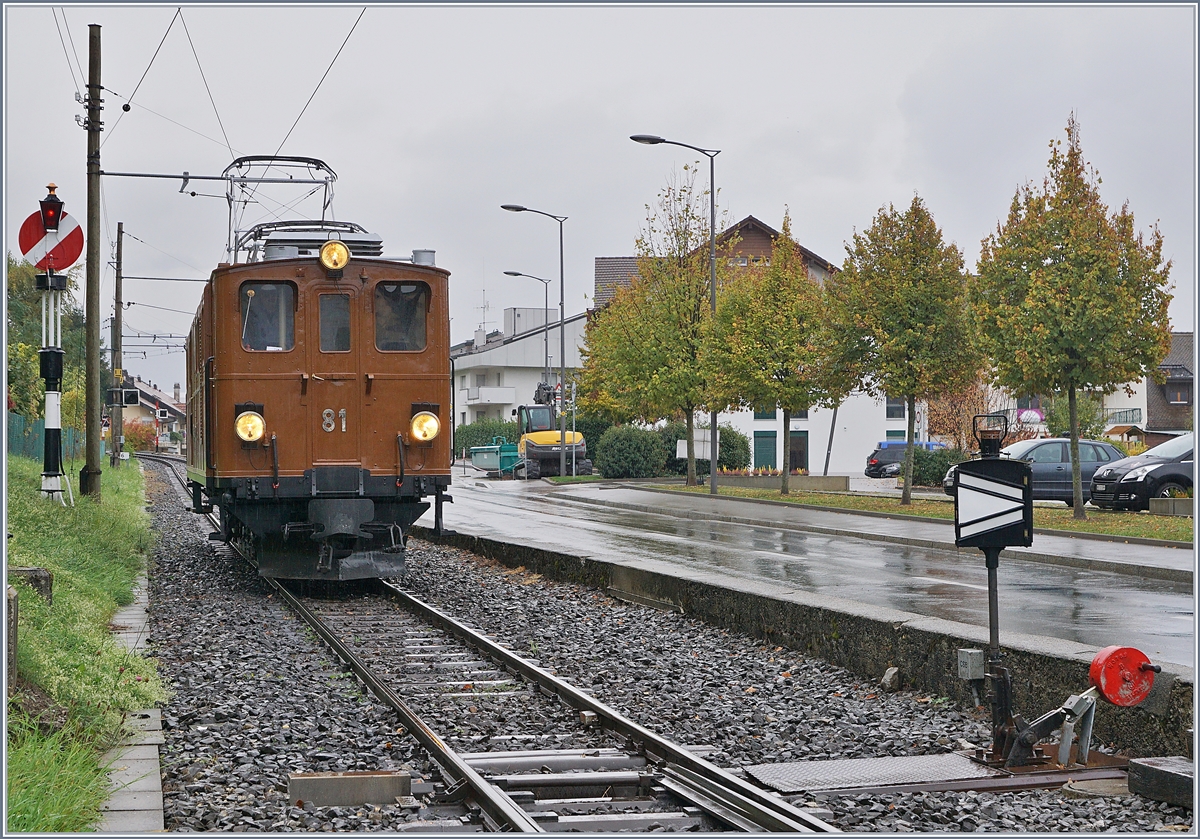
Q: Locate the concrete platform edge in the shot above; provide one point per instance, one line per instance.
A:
(135, 804)
(1047, 670)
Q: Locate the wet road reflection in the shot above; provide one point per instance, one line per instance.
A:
(1089, 607)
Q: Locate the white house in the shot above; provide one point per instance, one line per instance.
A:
(498, 371)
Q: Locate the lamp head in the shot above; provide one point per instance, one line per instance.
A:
(647, 139)
(514, 273)
(513, 208)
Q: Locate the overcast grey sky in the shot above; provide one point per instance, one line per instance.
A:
(434, 116)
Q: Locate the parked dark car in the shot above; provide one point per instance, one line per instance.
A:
(885, 462)
(1160, 472)
(1050, 462)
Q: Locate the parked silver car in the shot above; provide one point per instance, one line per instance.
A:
(1050, 462)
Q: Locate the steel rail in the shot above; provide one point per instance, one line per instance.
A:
(494, 802)
(758, 806)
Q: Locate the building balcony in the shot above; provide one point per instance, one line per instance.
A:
(1126, 416)
(491, 395)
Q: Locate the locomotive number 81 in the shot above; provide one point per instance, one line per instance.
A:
(318, 381)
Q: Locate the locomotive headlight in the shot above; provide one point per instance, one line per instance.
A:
(334, 255)
(250, 426)
(425, 426)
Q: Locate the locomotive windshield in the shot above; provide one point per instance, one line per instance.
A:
(335, 323)
(400, 315)
(268, 323)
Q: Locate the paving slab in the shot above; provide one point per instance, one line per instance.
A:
(135, 804)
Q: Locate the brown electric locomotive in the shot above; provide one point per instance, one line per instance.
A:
(318, 387)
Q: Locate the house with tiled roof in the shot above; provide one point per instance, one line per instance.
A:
(862, 421)
(1170, 406)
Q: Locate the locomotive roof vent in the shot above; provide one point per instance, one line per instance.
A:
(307, 243)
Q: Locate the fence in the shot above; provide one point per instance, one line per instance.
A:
(27, 439)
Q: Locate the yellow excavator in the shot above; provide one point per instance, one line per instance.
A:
(540, 443)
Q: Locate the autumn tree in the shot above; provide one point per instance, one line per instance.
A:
(769, 349)
(24, 321)
(1069, 297)
(951, 415)
(899, 306)
(644, 349)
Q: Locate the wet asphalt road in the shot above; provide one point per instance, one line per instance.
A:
(1094, 608)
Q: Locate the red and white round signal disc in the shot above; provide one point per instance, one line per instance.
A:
(57, 249)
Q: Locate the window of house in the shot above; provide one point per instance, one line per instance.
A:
(895, 407)
(462, 382)
(801, 414)
(1025, 403)
(481, 380)
(895, 435)
(1179, 393)
(765, 415)
(335, 323)
(268, 316)
(400, 316)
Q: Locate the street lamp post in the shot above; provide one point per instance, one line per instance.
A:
(562, 333)
(711, 154)
(545, 317)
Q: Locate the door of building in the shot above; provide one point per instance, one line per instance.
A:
(764, 449)
(798, 450)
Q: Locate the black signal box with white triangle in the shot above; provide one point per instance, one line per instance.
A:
(993, 504)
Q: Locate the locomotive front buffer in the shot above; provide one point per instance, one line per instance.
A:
(993, 510)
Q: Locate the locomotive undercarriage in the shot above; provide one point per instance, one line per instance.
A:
(288, 533)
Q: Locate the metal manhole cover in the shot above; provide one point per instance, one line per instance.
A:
(814, 775)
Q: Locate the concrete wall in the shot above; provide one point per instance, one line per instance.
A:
(868, 640)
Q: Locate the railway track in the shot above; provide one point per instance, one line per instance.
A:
(619, 775)
(597, 771)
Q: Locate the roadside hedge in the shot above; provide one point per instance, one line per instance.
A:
(929, 467)
(625, 451)
(481, 432)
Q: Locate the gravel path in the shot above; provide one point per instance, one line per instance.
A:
(255, 697)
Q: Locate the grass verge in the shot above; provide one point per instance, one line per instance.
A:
(67, 657)
(1106, 522)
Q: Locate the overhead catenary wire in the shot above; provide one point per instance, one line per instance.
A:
(204, 79)
(67, 55)
(160, 308)
(129, 235)
(178, 13)
(74, 52)
(318, 87)
(200, 134)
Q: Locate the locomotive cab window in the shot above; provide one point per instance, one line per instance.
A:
(268, 316)
(400, 315)
(335, 323)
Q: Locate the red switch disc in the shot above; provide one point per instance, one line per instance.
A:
(1118, 674)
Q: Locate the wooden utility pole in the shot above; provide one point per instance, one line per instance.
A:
(117, 412)
(89, 478)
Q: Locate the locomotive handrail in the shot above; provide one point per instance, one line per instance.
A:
(256, 232)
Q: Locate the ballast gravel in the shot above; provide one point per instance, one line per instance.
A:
(255, 696)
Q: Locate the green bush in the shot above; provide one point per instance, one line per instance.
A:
(481, 432)
(734, 454)
(628, 452)
(735, 449)
(929, 467)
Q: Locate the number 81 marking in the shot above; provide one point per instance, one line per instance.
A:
(327, 419)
